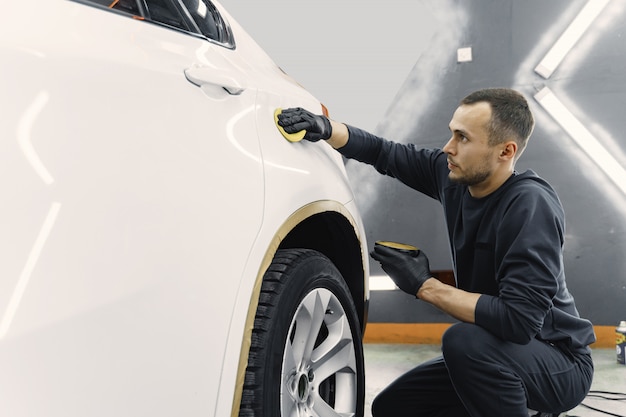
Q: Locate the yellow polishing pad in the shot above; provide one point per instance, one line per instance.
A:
(291, 137)
(396, 245)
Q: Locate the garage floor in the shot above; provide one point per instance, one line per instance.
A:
(384, 362)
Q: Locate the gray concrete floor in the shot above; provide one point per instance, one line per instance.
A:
(385, 362)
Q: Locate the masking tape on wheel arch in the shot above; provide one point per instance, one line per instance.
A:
(295, 219)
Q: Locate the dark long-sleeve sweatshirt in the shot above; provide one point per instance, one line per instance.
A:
(507, 246)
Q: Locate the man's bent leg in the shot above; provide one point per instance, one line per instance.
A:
(494, 377)
(423, 391)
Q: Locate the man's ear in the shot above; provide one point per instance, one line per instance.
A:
(509, 150)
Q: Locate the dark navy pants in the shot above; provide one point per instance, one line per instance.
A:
(480, 375)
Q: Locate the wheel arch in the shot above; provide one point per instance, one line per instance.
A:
(332, 234)
(328, 227)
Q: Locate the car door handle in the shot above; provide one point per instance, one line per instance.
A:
(204, 75)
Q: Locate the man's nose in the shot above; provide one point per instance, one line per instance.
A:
(448, 148)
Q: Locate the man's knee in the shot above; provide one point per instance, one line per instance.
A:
(466, 342)
(459, 341)
(381, 405)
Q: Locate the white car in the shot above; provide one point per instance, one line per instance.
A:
(164, 251)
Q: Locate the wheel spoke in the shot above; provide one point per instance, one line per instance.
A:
(336, 357)
(337, 352)
(289, 361)
(322, 409)
(340, 359)
(309, 319)
(288, 405)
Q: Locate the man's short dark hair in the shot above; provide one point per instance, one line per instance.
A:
(511, 117)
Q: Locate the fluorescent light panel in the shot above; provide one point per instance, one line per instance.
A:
(568, 39)
(381, 283)
(581, 135)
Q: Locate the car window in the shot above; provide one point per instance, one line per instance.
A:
(209, 21)
(200, 17)
(128, 6)
(166, 12)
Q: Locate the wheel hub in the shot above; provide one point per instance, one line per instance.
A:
(301, 386)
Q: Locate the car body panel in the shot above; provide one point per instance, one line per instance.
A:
(134, 221)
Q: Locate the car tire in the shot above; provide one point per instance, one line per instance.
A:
(306, 353)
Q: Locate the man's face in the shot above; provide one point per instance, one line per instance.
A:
(471, 160)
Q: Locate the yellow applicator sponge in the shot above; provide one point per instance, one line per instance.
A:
(291, 137)
(402, 247)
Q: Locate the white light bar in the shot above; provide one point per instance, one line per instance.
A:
(568, 39)
(581, 135)
(381, 283)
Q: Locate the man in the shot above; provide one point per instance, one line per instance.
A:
(520, 342)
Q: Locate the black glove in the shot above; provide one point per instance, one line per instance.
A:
(408, 270)
(296, 119)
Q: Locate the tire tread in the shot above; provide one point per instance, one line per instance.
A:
(270, 288)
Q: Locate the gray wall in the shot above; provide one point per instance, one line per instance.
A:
(393, 70)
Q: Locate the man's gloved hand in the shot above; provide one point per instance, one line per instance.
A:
(408, 270)
(296, 119)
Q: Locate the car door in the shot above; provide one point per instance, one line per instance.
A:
(131, 192)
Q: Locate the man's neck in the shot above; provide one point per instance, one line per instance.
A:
(491, 184)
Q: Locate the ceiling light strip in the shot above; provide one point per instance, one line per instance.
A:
(568, 39)
(581, 135)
